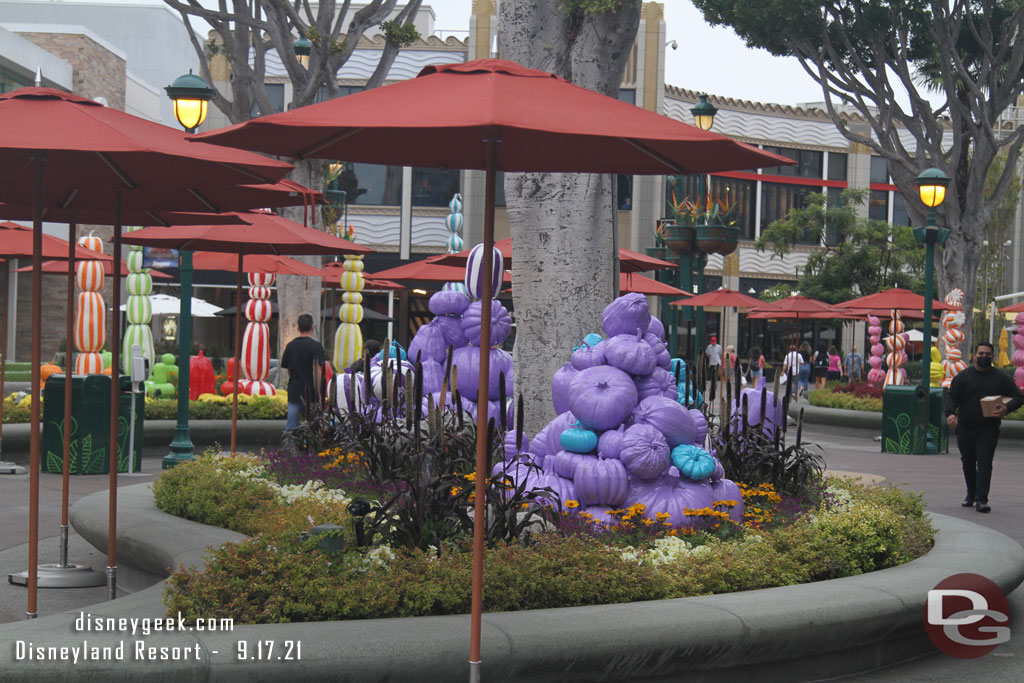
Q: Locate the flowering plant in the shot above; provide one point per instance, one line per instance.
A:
(706, 210)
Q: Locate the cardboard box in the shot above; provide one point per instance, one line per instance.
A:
(989, 403)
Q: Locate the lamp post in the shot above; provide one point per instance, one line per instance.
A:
(931, 185)
(190, 94)
(303, 47)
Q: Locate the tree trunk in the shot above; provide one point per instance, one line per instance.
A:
(562, 225)
(297, 294)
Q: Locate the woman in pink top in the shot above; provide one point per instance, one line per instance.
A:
(835, 364)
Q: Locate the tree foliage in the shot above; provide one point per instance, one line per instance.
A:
(861, 256)
(869, 57)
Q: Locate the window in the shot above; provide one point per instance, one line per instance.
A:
(433, 186)
(777, 199)
(834, 199)
(499, 188)
(738, 195)
(275, 92)
(624, 192)
(900, 215)
(627, 95)
(809, 162)
(10, 81)
(371, 184)
(879, 170)
(321, 94)
(878, 205)
(837, 166)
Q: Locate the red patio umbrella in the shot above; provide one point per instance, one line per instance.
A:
(129, 215)
(1015, 308)
(264, 234)
(252, 263)
(641, 284)
(629, 261)
(796, 307)
(889, 299)
(61, 268)
(54, 147)
(720, 297)
(492, 115)
(428, 270)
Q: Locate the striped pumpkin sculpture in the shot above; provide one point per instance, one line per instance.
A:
(255, 355)
(348, 340)
(139, 309)
(454, 222)
(90, 312)
(895, 344)
(952, 336)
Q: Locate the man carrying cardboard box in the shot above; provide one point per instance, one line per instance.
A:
(977, 400)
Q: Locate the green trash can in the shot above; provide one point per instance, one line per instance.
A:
(900, 408)
(90, 425)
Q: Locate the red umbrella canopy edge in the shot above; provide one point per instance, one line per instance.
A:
(720, 297)
(16, 242)
(459, 108)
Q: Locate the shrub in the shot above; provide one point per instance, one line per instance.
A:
(845, 401)
(858, 389)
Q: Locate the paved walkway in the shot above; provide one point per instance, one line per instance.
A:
(845, 449)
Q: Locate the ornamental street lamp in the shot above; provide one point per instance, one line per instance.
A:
(190, 94)
(303, 47)
(931, 185)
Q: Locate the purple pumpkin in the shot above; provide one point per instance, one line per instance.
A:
(553, 437)
(467, 360)
(433, 376)
(659, 383)
(448, 302)
(588, 356)
(626, 315)
(609, 444)
(719, 472)
(664, 359)
(668, 417)
(560, 387)
(670, 495)
(723, 489)
(563, 489)
(448, 402)
(657, 328)
(501, 323)
(601, 513)
(538, 445)
(700, 424)
(451, 326)
(601, 482)
(511, 447)
(602, 397)
(564, 463)
(428, 344)
(773, 416)
(630, 353)
(645, 453)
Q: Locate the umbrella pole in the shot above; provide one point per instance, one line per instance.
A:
(37, 330)
(115, 397)
(3, 355)
(481, 415)
(65, 483)
(238, 357)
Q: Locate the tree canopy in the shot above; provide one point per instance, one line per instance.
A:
(875, 58)
(860, 256)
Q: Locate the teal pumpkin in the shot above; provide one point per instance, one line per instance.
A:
(578, 440)
(693, 462)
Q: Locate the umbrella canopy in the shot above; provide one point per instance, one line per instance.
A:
(459, 108)
(16, 242)
(331, 274)
(89, 145)
(427, 270)
(797, 307)
(889, 299)
(641, 284)
(61, 267)
(629, 261)
(252, 263)
(720, 297)
(165, 304)
(129, 216)
(260, 233)
(1015, 308)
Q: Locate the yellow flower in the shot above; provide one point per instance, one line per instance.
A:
(455, 490)
(470, 477)
(586, 515)
(571, 504)
(648, 522)
(662, 516)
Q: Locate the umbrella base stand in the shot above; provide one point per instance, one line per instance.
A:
(11, 468)
(61, 576)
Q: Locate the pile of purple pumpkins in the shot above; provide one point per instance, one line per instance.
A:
(621, 436)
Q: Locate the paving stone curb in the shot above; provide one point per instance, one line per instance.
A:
(806, 632)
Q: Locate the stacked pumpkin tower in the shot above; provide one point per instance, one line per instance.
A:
(348, 339)
(255, 356)
(139, 309)
(894, 344)
(625, 438)
(90, 313)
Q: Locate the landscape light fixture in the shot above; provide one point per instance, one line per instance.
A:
(303, 47)
(191, 95)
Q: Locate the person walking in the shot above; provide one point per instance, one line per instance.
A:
(303, 358)
(977, 435)
(853, 364)
(804, 376)
(835, 365)
(755, 365)
(820, 364)
(791, 369)
(713, 352)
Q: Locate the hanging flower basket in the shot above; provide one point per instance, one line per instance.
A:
(717, 239)
(681, 239)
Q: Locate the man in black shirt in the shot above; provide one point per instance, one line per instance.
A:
(303, 358)
(977, 435)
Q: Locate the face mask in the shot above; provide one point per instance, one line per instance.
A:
(984, 361)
